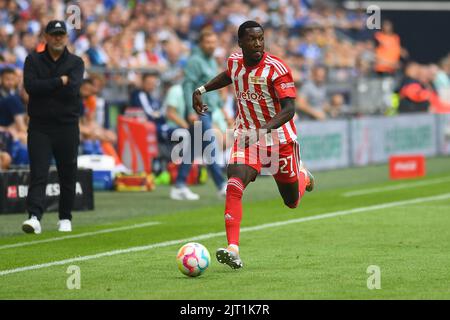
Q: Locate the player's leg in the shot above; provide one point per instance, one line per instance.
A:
(292, 178)
(39, 152)
(65, 149)
(239, 176)
(290, 192)
(209, 148)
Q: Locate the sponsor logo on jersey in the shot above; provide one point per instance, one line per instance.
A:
(250, 96)
(287, 85)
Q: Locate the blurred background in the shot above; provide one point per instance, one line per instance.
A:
(363, 94)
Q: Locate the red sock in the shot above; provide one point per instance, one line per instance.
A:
(301, 184)
(233, 210)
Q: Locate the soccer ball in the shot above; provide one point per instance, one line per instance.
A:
(193, 259)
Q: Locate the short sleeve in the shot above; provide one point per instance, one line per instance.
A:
(229, 66)
(172, 99)
(285, 86)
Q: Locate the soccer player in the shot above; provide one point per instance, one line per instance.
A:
(265, 94)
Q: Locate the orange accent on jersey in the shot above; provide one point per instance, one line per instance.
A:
(388, 52)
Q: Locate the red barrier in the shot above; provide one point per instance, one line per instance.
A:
(137, 143)
(406, 166)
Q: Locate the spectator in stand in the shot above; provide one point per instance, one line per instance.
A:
(97, 55)
(150, 57)
(438, 103)
(309, 49)
(12, 116)
(16, 49)
(29, 42)
(8, 82)
(90, 143)
(200, 68)
(414, 93)
(102, 106)
(313, 95)
(175, 107)
(147, 99)
(175, 61)
(388, 51)
(95, 138)
(5, 158)
(337, 109)
(364, 64)
(441, 79)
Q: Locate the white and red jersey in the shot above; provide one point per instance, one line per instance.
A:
(258, 90)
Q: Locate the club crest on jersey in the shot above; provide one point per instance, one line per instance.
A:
(249, 95)
(257, 80)
(238, 154)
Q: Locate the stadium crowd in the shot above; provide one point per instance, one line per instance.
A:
(150, 41)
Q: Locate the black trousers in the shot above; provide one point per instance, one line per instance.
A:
(62, 142)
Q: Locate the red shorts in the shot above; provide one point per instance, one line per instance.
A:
(282, 161)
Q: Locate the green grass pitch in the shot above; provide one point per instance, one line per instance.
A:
(321, 251)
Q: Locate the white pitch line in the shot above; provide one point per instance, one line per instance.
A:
(220, 234)
(396, 187)
(80, 235)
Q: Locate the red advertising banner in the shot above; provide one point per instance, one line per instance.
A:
(406, 166)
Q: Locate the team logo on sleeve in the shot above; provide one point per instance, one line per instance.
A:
(287, 85)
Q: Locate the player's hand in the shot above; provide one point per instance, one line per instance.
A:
(192, 118)
(197, 103)
(65, 80)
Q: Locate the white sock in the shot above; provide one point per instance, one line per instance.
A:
(234, 247)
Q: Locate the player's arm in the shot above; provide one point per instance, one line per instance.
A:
(286, 92)
(220, 81)
(173, 115)
(74, 78)
(285, 115)
(19, 122)
(36, 86)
